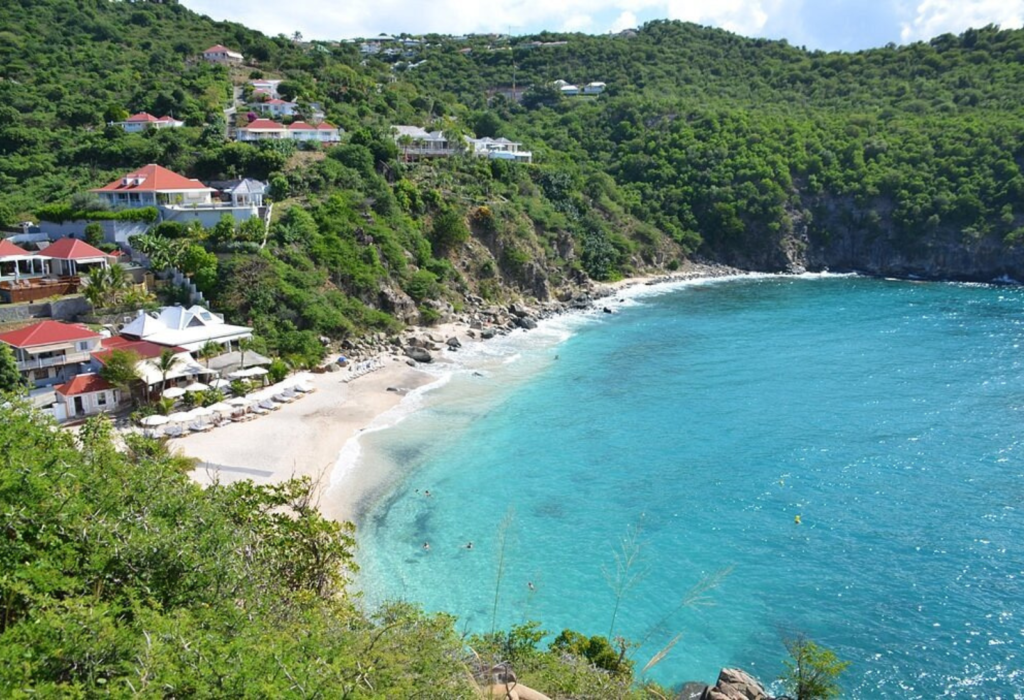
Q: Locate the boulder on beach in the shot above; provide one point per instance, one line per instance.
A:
(526, 322)
(419, 354)
(487, 333)
(453, 342)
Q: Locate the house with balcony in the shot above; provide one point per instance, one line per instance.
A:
(176, 197)
(51, 352)
(265, 87)
(185, 368)
(500, 149)
(268, 129)
(415, 142)
(222, 54)
(144, 120)
(275, 108)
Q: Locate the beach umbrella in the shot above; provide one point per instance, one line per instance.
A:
(179, 417)
(255, 372)
(197, 386)
(221, 407)
(220, 384)
(239, 401)
(174, 392)
(154, 420)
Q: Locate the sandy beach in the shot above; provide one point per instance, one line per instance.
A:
(306, 437)
(303, 438)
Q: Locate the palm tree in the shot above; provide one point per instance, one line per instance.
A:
(244, 345)
(165, 364)
(211, 349)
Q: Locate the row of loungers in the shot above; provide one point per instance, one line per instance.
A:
(361, 368)
(242, 414)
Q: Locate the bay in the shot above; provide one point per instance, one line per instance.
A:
(838, 457)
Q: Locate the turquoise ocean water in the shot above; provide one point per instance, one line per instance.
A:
(888, 415)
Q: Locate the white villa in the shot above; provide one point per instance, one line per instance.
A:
(145, 120)
(595, 88)
(417, 142)
(177, 198)
(265, 87)
(275, 107)
(268, 129)
(189, 329)
(222, 54)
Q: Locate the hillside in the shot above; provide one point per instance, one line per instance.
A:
(897, 161)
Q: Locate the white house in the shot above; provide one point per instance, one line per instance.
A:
(266, 87)
(176, 197)
(190, 329)
(595, 88)
(145, 120)
(85, 395)
(275, 108)
(268, 129)
(221, 54)
(417, 142)
(51, 352)
(500, 149)
(569, 90)
(184, 369)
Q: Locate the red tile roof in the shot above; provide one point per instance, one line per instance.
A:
(325, 125)
(218, 49)
(84, 384)
(143, 348)
(154, 178)
(70, 249)
(301, 126)
(276, 101)
(142, 117)
(47, 333)
(8, 248)
(263, 124)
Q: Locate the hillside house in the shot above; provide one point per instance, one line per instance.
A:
(176, 197)
(144, 120)
(275, 108)
(268, 129)
(51, 352)
(595, 88)
(70, 257)
(185, 369)
(222, 54)
(416, 142)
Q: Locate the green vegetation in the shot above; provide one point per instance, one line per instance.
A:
(812, 671)
(11, 380)
(120, 576)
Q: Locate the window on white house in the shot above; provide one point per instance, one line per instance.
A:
(101, 399)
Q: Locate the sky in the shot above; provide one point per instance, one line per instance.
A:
(833, 25)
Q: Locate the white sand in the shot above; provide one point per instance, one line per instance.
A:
(305, 437)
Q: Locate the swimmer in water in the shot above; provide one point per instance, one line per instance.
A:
(796, 520)
(426, 546)
(529, 584)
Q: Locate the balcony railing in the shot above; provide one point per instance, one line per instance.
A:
(71, 358)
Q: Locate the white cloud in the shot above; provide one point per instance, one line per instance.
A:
(934, 17)
(746, 17)
(627, 20)
(578, 23)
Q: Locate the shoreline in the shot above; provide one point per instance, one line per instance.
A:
(318, 436)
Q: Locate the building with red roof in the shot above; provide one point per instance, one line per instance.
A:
(51, 352)
(185, 367)
(17, 263)
(275, 107)
(145, 120)
(86, 395)
(70, 257)
(153, 186)
(264, 129)
(222, 54)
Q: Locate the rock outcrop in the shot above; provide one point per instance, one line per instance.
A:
(735, 684)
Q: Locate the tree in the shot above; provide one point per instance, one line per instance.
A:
(121, 369)
(10, 378)
(209, 350)
(812, 672)
(448, 231)
(166, 364)
(94, 233)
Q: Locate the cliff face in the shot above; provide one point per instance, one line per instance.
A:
(834, 233)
